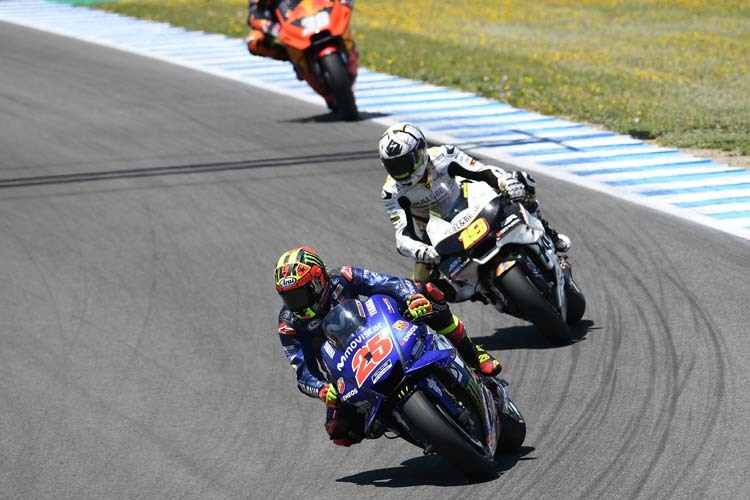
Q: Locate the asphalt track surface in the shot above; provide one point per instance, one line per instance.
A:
(142, 208)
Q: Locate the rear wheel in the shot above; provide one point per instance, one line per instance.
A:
(339, 81)
(534, 306)
(445, 439)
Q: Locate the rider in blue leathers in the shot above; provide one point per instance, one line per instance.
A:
(309, 291)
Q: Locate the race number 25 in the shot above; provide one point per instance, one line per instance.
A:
(474, 232)
(369, 357)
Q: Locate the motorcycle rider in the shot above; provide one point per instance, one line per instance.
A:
(308, 291)
(263, 41)
(422, 180)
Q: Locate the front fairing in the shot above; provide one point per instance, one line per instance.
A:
(365, 366)
(484, 223)
(302, 20)
(469, 238)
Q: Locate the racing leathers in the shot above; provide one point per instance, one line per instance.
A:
(409, 207)
(303, 338)
(261, 41)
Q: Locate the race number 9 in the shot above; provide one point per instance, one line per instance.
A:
(474, 232)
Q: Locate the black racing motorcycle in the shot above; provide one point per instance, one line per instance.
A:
(496, 251)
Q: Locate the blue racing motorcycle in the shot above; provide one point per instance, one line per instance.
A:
(413, 384)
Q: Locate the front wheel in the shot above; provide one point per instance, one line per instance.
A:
(513, 432)
(534, 306)
(339, 82)
(445, 439)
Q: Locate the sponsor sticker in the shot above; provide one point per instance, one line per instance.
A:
(409, 334)
(388, 305)
(341, 385)
(360, 310)
(371, 309)
(381, 371)
(349, 394)
(312, 325)
(354, 345)
(328, 348)
(457, 265)
(434, 385)
(287, 282)
(400, 325)
(511, 219)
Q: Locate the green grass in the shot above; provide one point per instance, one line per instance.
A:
(677, 72)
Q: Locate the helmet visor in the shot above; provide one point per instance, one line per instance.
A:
(299, 299)
(402, 167)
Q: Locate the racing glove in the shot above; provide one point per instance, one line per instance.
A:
(417, 306)
(428, 255)
(329, 395)
(270, 27)
(528, 182)
(512, 188)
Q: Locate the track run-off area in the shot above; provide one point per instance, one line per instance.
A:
(143, 205)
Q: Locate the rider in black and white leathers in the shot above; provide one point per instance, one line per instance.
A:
(430, 186)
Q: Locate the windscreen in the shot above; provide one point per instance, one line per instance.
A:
(344, 321)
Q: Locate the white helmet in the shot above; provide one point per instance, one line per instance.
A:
(403, 151)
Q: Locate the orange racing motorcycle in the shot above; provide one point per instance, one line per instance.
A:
(318, 39)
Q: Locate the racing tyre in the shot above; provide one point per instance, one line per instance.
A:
(340, 83)
(445, 439)
(513, 432)
(576, 302)
(534, 306)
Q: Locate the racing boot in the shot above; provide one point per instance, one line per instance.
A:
(562, 242)
(473, 354)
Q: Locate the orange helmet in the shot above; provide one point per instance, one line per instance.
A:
(301, 281)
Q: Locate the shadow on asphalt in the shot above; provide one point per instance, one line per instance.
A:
(331, 117)
(526, 337)
(429, 470)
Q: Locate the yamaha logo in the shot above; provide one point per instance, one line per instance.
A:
(287, 282)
